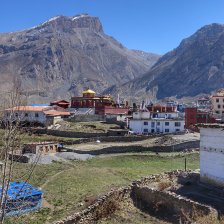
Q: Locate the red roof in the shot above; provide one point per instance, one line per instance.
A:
(28, 108)
(56, 113)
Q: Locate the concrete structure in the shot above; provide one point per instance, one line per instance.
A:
(40, 148)
(218, 102)
(34, 114)
(212, 154)
(155, 122)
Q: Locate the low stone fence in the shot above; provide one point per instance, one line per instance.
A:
(86, 118)
(150, 198)
(172, 204)
(138, 148)
(19, 158)
(108, 139)
(102, 208)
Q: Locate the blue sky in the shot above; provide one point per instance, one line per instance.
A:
(150, 25)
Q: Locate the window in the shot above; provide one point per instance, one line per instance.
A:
(36, 115)
(145, 122)
(167, 123)
(158, 123)
(153, 130)
(177, 124)
(153, 124)
(26, 114)
(217, 100)
(177, 130)
(146, 130)
(167, 130)
(219, 106)
(16, 114)
(217, 112)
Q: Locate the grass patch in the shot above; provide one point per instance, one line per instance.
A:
(79, 180)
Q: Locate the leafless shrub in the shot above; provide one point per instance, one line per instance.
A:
(11, 145)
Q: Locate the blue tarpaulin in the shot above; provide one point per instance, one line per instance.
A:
(22, 198)
(39, 104)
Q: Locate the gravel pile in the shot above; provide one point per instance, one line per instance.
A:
(42, 159)
(73, 156)
(60, 156)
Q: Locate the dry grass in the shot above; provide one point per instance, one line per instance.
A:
(164, 184)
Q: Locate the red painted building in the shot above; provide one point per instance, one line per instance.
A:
(90, 100)
(102, 104)
(195, 116)
(161, 108)
(61, 103)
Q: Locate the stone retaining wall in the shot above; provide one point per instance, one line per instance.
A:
(108, 139)
(175, 204)
(86, 118)
(138, 148)
(102, 208)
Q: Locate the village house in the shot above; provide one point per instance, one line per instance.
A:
(217, 101)
(61, 103)
(163, 120)
(194, 115)
(212, 154)
(40, 147)
(43, 115)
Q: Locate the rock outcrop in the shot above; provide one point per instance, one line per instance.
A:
(64, 55)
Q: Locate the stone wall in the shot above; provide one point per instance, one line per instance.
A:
(139, 192)
(87, 118)
(173, 205)
(19, 158)
(102, 208)
(68, 134)
(138, 148)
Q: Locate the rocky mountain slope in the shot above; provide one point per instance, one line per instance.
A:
(64, 55)
(195, 67)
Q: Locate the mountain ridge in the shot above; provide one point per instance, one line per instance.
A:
(64, 55)
(195, 67)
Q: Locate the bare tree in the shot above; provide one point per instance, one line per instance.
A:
(11, 144)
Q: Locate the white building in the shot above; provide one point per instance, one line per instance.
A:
(218, 102)
(34, 114)
(212, 154)
(146, 122)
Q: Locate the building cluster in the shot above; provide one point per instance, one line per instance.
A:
(157, 119)
(167, 117)
(207, 110)
(48, 114)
